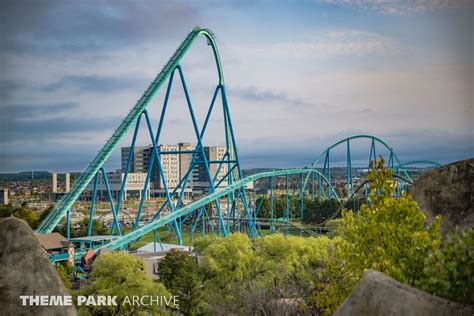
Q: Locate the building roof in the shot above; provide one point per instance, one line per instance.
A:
(166, 247)
(52, 241)
(94, 238)
(149, 255)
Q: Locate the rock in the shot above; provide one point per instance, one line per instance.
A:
(378, 294)
(447, 191)
(25, 270)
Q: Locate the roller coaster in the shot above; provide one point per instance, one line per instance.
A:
(223, 209)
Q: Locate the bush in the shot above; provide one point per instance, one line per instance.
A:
(120, 274)
(179, 272)
(389, 235)
(66, 273)
(449, 271)
(243, 277)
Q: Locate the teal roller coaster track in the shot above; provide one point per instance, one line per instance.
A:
(236, 201)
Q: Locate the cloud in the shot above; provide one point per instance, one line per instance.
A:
(40, 123)
(57, 26)
(408, 144)
(22, 111)
(95, 83)
(338, 43)
(7, 88)
(254, 94)
(403, 7)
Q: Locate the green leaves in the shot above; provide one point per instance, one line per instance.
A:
(179, 272)
(389, 235)
(120, 274)
(449, 271)
(245, 276)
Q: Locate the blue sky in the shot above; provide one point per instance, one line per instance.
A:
(300, 75)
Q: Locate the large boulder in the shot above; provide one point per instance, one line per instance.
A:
(25, 270)
(447, 191)
(378, 294)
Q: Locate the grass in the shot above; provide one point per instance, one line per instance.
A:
(166, 238)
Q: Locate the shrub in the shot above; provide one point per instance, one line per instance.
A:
(449, 271)
(389, 235)
(179, 272)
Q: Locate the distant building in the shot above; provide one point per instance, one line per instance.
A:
(153, 253)
(67, 183)
(134, 187)
(140, 158)
(4, 196)
(201, 179)
(175, 162)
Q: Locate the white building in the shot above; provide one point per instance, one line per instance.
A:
(175, 162)
(134, 187)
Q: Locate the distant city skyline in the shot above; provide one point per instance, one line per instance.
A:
(300, 75)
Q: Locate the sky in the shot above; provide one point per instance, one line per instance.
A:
(299, 76)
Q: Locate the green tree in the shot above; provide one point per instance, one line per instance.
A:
(264, 210)
(98, 228)
(449, 271)
(389, 235)
(288, 267)
(66, 273)
(6, 210)
(247, 277)
(120, 274)
(32, 217)
(179, 272)
(226, 260)
(28, 215)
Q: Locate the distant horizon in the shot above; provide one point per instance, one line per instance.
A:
(243, 169)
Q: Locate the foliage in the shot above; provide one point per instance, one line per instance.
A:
(242, 276)
(279, 206)
(389, 235)
(98, 228)
(179, 272)
(227, 260)
(32, 217)
(316, 212)
(6, 210)
(449, 271)
(333, 227)
(120, 274)
(66, 273)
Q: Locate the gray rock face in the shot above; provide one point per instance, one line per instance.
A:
(25, 270)
(447, 191)
(378, 294)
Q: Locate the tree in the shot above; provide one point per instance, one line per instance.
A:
(225, 264)
(25, 213)
(66, 273)
(226, 260)
(98, 228)
(264, 210)
(316, 212)
(287, 267)
(179, 272)
(449, 271)
(28, 215)
(265, 276)
(6, 210)
(389, 235)
(120, 274)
